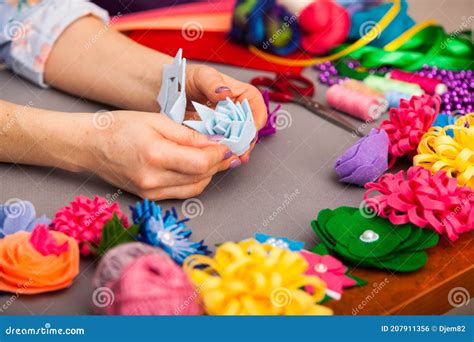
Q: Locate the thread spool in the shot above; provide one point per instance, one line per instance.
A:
(356, 104)
(361, 87)
(393, 98)
(431, 86)
(114, 261)
(384, 84)
(153, 285)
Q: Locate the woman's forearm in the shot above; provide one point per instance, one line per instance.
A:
(93, 61)
(42, 137)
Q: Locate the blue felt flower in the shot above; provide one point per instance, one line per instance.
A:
(164, 230)
(281, 242)
(19, 215)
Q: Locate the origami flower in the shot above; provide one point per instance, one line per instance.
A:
(407, 124)
(37, 262)
(84, 219)
(232, 120)
(452, 154)
(172, 96)
(270, 125)
(280, 242)
(372, 241)
(19, 215)
(366, 161)
(165, 231)
(432, 201)
(331, 271)
(249, 278)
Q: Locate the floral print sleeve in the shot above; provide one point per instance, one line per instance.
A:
(29, 28)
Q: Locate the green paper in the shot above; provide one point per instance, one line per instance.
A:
(114, 233)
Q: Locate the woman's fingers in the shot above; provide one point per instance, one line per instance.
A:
(209, 82)
(176, 192)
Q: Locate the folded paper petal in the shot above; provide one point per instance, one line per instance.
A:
(366, 160)
(426, 200)
(234, 121)
(250, 278)
(172, 96)
(24, 270)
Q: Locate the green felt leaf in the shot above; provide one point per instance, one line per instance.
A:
(320, 249)
(427, 239)
(327, 240)
(359, 281)
(403, 262)
(114, 233)
(412, 240)
(341, 228)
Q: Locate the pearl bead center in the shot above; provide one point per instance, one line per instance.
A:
(369, 236)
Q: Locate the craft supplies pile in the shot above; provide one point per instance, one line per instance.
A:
(149, 261)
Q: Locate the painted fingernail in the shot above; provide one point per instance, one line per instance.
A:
(227, 155)
(235, 163)
(222, 90)
(216, 137)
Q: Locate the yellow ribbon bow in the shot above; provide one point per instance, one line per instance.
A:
(454, 155)
(249, 278)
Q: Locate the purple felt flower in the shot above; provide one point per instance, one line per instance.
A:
(19, 215)
(366, 161)
(270, 126)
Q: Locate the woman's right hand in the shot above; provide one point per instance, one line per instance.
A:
(150, 155)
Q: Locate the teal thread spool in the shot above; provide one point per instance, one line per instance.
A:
(383, 85)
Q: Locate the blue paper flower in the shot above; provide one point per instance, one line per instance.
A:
(281, 242)
(166, 231)
(19, 215)
(232, 120)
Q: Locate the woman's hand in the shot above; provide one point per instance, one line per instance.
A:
(205, 84)
(153, 157)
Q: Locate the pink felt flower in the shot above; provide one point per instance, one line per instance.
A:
(407, 124)
(432, 201)
(43, 241)
(84, 219)
(330, 270)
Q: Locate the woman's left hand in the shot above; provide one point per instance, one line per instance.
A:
(205, 84)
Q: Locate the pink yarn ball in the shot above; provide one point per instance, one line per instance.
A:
(153, 285)
(325, 24)
(84, 218)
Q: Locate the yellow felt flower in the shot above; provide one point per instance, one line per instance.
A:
(454, 155)
(249, 278)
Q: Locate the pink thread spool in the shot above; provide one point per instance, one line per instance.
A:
(429, 85)
(358, 105)
(361, 87)
(153, 284)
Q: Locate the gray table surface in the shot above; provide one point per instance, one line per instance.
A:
(288, 180)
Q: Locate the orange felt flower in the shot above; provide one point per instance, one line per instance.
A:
(24, 270)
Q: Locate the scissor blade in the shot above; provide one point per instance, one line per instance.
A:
(329, 115)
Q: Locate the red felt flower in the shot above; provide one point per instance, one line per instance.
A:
(432, 201)
(84, 219)
(407, 124)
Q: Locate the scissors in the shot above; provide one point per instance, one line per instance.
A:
(291, 87)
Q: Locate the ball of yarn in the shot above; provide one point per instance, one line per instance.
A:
(324, 24)
(84, 218)
(115, 260)
(153, 285)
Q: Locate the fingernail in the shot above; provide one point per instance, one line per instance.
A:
(235, 163)
(222, 90)
(227, 155)
(216, 137)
